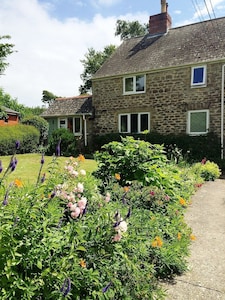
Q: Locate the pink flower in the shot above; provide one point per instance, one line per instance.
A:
(152, 193)
(69, 204)
(73, 207)
(74, 173)
(82, 203)
(75, 213)
(117, 237)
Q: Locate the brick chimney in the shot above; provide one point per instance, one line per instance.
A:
(162, 22)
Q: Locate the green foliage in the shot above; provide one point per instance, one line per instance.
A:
(126, 29)
(92, 62)
(62, 238)
(67, 145)
(3, 114)
(7, 101)
(27, 135)
(41, 124)
(208, 170)
(189, 148)
(5, 50)
(48, 97)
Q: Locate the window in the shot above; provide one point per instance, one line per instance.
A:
(77, 125)
(134, 84)
(73, 124)
(62, 123)
(134, 122)
(198, 122)
(198, 76)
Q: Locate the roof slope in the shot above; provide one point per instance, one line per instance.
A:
(69, 106)
(9, 110)
(195, 43)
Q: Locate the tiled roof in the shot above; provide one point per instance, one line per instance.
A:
(190, 44)
(10, 111)
(69, 106)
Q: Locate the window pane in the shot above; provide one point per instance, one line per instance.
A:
(198, 75)
(123, 123)
(77, 125)
(70, 124)
(140, 83)
(129, 84)
(134, 122)
(144, 122)
(198, 122)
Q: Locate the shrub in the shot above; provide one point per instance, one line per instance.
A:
(208, 170)
(67, 144)
(27, 135)
(41, 124)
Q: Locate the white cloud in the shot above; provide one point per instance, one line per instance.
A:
(49, 51)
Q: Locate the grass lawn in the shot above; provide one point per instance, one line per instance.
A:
(29, 165)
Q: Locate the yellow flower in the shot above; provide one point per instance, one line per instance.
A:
(117, 176)
(179, 236)
(157, 242)
(182, 202)
(192, 237)
(81, 158)
(18, 183)
(82, 263)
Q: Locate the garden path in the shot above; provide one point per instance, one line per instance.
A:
(205, 278)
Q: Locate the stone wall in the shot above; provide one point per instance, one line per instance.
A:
(168, 97)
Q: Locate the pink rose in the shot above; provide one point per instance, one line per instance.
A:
(75, 213)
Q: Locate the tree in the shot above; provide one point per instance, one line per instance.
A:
(92, 62)
(5, 50)
(126, 29)
(48, 97)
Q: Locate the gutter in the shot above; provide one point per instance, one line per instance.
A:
(222, 113)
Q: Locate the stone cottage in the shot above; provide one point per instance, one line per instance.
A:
(170, 81)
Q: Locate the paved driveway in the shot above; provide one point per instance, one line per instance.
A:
(205, 279)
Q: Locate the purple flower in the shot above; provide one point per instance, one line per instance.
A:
(17, 145)
(13, 164)
(58, 148)
(1, 168)
(65, 289)
(43, 178)
(5, 201)
(53, 194)
(42, 159)
(105, 289)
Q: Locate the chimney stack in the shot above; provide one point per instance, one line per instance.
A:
(162, 22)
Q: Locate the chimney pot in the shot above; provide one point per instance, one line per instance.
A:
(163, 6)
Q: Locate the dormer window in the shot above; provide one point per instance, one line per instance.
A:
(134, 84)
(198, 76)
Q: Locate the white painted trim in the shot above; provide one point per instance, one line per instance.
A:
(189, 123)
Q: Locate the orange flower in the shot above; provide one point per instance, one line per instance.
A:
(179, 236)
(126, 189)
(192, 237)
(157, 242)
(82, 263)
(81, 157)
(18, 183)
(182, 202)
(117, 176)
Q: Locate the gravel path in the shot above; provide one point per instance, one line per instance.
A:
(205, 279)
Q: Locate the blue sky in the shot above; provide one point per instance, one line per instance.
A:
(52, 36)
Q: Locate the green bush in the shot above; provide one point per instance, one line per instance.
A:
(27, 135)
(41, 124)
(208, 170)
(68, 145)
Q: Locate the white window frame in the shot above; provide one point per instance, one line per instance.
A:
(203, 82)
(134, 85)
(66, 123)
(189, 122)
(129, 121)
